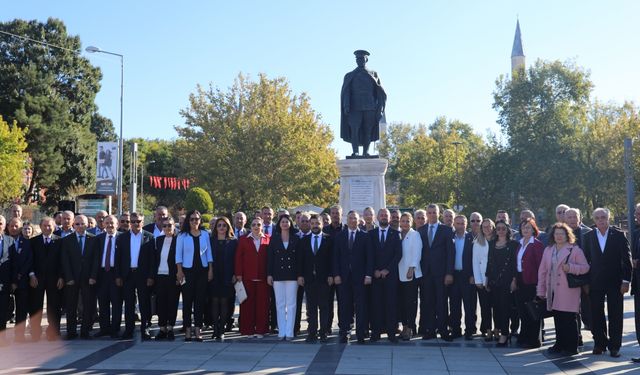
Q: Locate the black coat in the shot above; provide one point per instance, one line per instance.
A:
(611, 267)
(47, 264)
(439, 258)
(99, 243)
(224, 258)
(281, 261)
(157, 251)
(6, 273)
(467, 256)
(316, 266)
(123, 255)
(352, 265)
(386, 256)
(22, 262)
(76, 266)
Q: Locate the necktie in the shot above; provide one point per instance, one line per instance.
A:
(430, 234)
(266, 229)
(47, 240)
(107, 259)
(80, 244)
(351, 240)
(315, 244)
(382, 236)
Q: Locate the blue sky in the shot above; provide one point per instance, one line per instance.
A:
(435, 58)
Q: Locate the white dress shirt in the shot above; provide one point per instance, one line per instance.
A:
(113, 250)
(523, 248)
(135, 243)
(313, 240)
(602, 239)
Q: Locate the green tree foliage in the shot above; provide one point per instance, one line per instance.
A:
(103, 128)
(50, 92)
(256, 143)
(198, 199)
(13, 160)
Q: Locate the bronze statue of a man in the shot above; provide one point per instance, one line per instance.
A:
(362, 103)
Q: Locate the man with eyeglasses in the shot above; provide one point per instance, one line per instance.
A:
(134, 259)
(109, 294)
(239, 223)
(99, 228)
(475, 224)
(124, 223)
(80, 270)
(66, 224)
(609, 255)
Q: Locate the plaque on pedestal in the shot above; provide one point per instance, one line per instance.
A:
(362, 184)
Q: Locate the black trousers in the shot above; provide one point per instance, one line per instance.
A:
(135, 288)
(109, 302)
(167, 294)
(566, 330)
(22, 308)
(54, 308)
(194, 293)
(433, 305)
(485, 310)
(585, 309)
(231, 308)
(299, 299)
(614, 313)
(71, 295)
(4, 309)
(273, 313)
(636, 309)
(409, 302)
(501, 304)
(317, 299)
(462, 292)
(352, 297)
(384, 306)
(333, 295)
(529, 329)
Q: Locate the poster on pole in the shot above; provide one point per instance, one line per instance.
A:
(107, 170)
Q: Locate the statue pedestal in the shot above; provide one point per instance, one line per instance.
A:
(361, 184)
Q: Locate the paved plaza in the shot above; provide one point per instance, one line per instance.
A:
(269, 356)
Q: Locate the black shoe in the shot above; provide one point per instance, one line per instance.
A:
(374, 337)
(635, 359)
(170, 336)
(145, 336)
(456, 335)
(393, 339)
(361, 340)
(568, 353)
(615, 353)
(598, 350)
(554, 350)
(323, 337)
(343, 339)
(428, 336)
(311, 339)
(468, 336)
(101, 334)
(446, 337)
(162, 335)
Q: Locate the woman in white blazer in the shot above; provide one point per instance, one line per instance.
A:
(480, 255)
(409, 273)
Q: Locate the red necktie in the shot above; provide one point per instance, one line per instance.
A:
(107, 259)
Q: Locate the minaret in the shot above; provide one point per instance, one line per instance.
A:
(517, 55)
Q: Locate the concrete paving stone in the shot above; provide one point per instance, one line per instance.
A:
(361, 371)
(119, 366)
(423, 370)
(226, 366)
(279, 369)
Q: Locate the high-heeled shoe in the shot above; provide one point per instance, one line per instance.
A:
(504, 344)
(489, 336)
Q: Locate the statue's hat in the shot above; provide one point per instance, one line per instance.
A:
(361, 52)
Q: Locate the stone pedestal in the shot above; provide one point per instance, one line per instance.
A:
(362, 184)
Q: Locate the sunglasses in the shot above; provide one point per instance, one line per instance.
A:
(79, 224)
(136, 221)
(475, 221)
(194, 219)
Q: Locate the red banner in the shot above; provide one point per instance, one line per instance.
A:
(170, 183)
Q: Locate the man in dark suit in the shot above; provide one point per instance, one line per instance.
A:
(607, 250)
(333, 229)
(159, 216)
(46, 277)
(133, 264)
(635, 288)
(6, 249)
(109, 294)
(387, 251)
(314, 267)
(66, 224)
(239, 223)
(463, 289)
(22, 264)
(437, 263)
(80, 270)
(99, 228)
(352, 270)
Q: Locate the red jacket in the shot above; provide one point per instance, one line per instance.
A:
(531, 262)
(251, 264)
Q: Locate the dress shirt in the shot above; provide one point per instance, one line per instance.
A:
(237, 232)
(459, 251)
(47, 240)
(314, 238)
(157, 232)
(136, 242)
(432, 228)
(383, 232)
(113, 250)
(81, 238)
(1, 245)
(523, 248)
(256, 240)
(163, 268)
(268, 229)
(64, 233)
(602, 239)
(302, 234)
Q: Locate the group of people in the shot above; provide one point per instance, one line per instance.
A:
(380, 266)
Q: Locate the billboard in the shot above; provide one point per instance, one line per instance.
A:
(107, 171)
(90, 204)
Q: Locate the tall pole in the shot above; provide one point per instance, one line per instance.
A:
(133, 189)
(457, 143)
(628, 172)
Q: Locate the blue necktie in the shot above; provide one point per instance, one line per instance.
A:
(81, 243)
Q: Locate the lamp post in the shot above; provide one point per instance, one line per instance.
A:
(457, 143)
(142, 185)
(92, 49)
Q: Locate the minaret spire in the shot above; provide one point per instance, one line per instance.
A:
(517, 54)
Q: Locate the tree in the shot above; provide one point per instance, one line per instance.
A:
(257, 143)
(540, 111)
(103, 128)
(13, 160)
(198, 199)
(50, 92)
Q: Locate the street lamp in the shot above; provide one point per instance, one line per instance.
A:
(458, 208)
(92, 49)
(142, 185)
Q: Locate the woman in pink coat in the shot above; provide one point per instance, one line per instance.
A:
(562, 256)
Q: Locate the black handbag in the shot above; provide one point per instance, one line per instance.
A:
(537, 309)
(576, 281)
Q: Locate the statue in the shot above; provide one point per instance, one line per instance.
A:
(362, 103)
